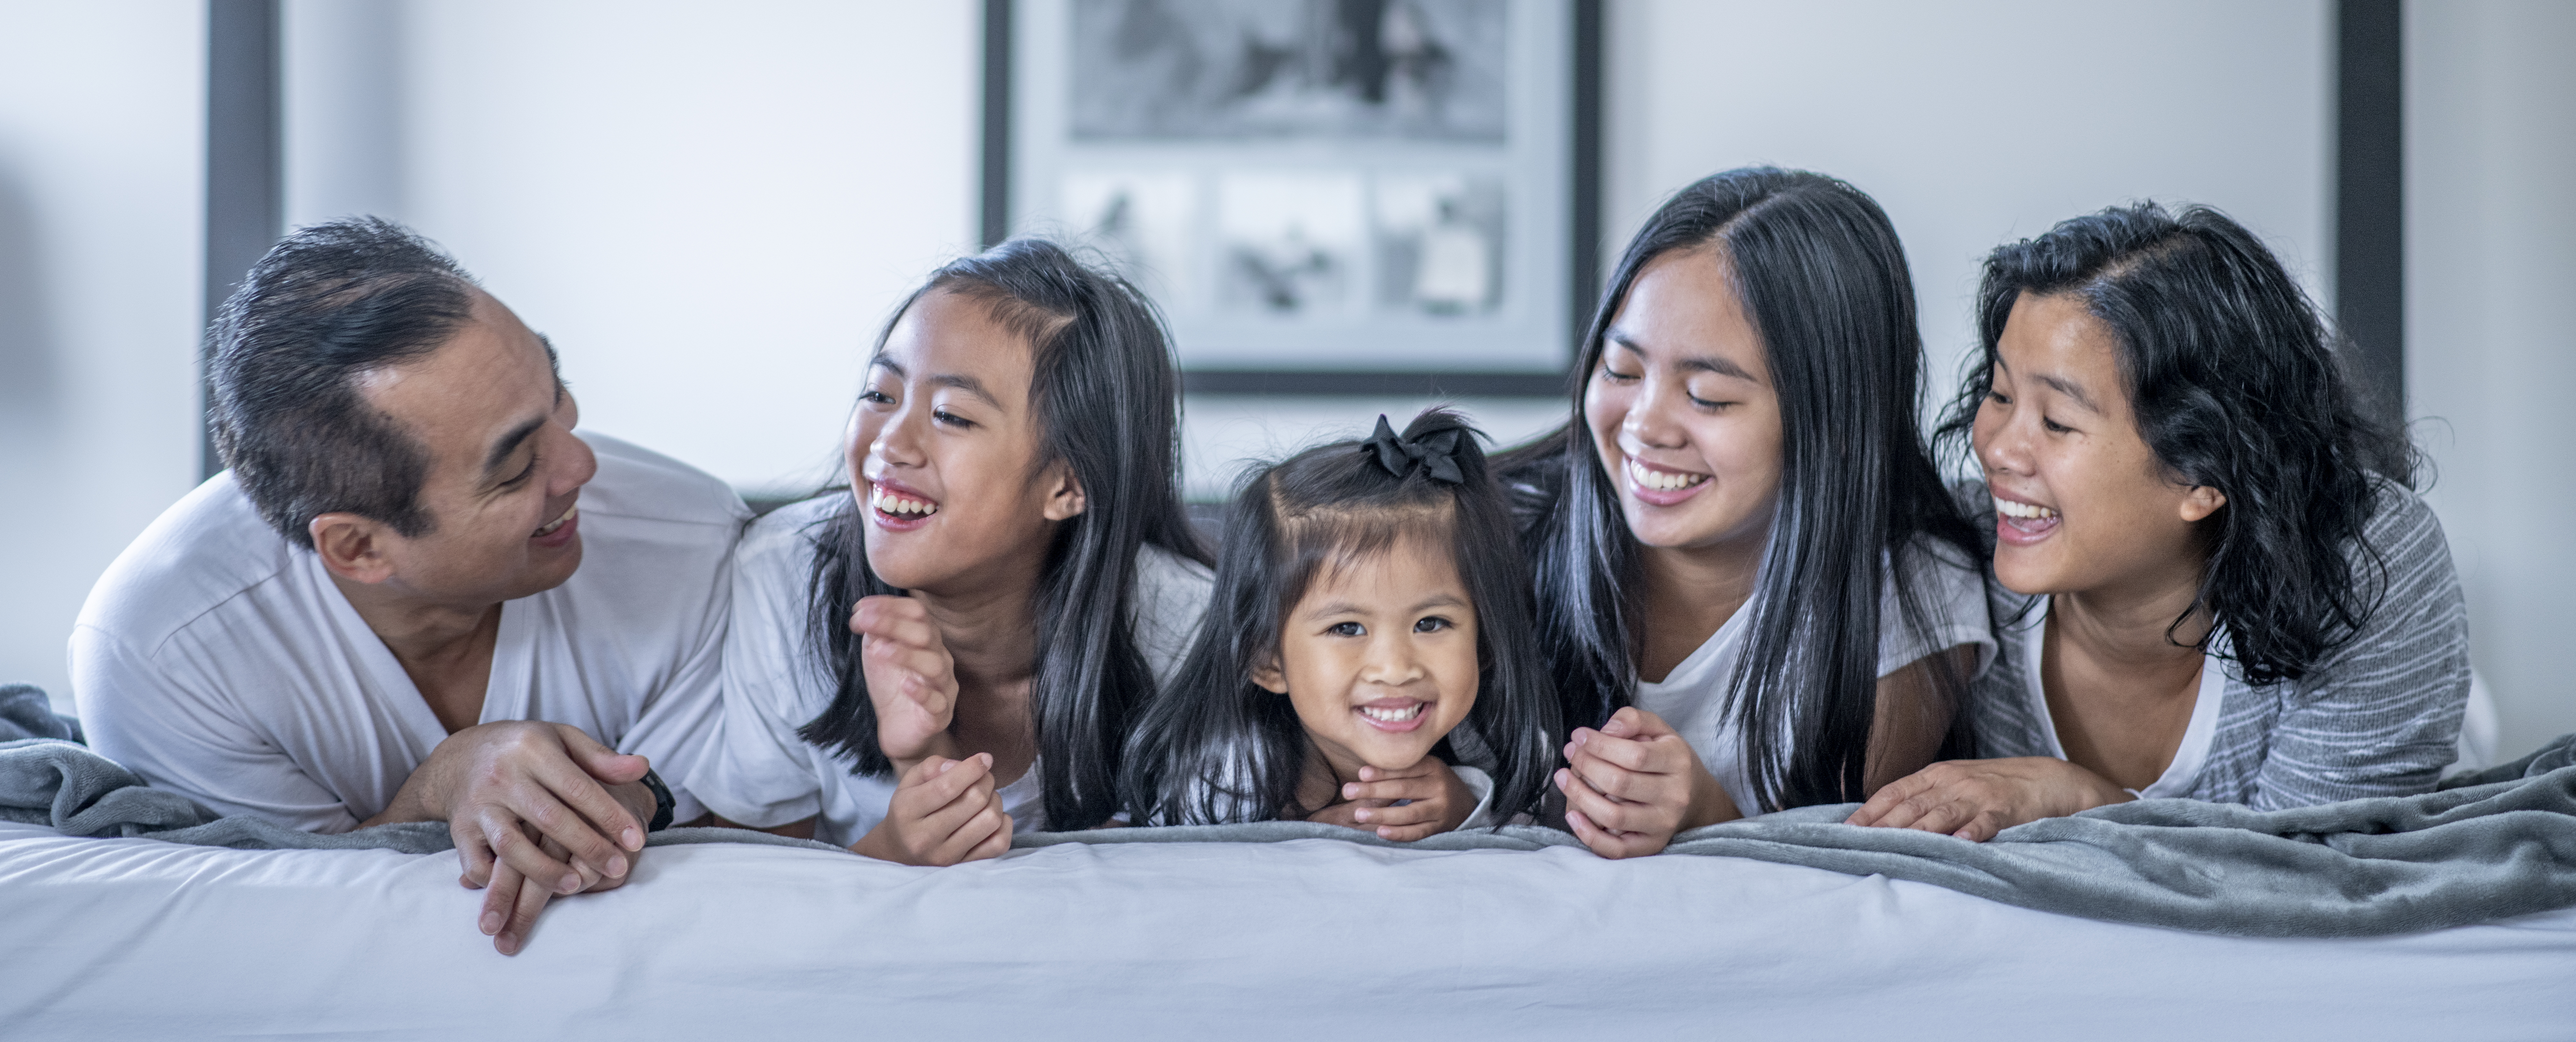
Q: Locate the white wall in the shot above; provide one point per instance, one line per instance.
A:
(2490, 348)
(709, 209)
(1978, 124)
(101, 234)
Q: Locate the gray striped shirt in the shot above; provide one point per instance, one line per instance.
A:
(2376, 716)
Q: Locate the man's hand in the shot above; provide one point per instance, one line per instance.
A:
(911, 678)
(943, 813)
(1974, 799)
(536, 799)
(1634, 783)
(1439, 802)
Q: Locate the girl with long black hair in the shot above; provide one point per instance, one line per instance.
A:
(1371, 638)
(1753, 591)
(2220, 585)
(953, 648)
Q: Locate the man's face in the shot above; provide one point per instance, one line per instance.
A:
(504, 467)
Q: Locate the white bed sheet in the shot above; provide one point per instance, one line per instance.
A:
(110, 939)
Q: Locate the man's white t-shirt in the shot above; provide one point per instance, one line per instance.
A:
(1692, 698)
(218, 660)
(759, 772)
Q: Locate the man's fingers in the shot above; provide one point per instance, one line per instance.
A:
(499, 899)
(513, 846)
(605, 830)
(600, 761)
(472, 850)
(523, 917)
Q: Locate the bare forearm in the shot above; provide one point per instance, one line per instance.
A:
(1709, 803)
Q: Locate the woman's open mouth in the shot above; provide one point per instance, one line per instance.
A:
(2020, 523)
(898, 507)
(1393, 714)
(1662, 486)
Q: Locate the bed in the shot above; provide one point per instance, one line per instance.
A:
(137, 938)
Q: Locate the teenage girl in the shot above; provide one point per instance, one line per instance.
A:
(953, 648)
(1754, 591)
(1370, 640)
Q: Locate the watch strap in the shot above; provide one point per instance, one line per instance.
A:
(663, 804)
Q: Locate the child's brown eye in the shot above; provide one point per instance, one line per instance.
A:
(1348, 629)
(1431, 624)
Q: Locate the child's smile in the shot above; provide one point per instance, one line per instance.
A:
(1379, 657)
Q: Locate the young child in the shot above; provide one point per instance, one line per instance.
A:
(1368, 658)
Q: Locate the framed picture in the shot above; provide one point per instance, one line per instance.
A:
(1324, 196)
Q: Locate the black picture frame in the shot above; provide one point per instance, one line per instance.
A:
(1583, 246)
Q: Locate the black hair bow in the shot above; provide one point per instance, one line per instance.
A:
(1437, 453)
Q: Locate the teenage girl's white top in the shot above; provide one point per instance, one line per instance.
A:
(218, 660)
(1692, 698)
(759, 772)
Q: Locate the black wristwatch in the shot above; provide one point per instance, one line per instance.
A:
(663, 804)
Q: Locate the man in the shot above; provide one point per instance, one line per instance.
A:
(417, 595)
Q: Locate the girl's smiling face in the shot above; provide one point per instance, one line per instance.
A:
(1682, 410)
(2082, 504)
(1379, 657)
(945, 454)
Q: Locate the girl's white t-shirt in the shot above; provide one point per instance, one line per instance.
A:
(2026, 635)
(1692, 698)
(757, 771)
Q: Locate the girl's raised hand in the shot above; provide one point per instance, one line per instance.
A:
(910, 677)
(1634, 783)
(1439, 802)
(944, 812)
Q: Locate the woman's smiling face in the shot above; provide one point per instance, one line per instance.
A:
(2082, 504)
(946, 454)
(1682, 409)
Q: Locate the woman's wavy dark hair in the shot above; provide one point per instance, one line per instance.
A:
(1107, 401)
(2232, 375)
(1217, 747)
(1822, 276)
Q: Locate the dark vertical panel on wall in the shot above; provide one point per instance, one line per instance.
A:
(997, 121)
(245, 182)
(1586, 272)
(2370, 202)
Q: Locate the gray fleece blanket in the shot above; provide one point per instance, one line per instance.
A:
(2489, 846)
(80, 793)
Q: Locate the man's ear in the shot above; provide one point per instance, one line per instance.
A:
(1064, 499)
(352, 547)
(1271, 678)
(2201, 502)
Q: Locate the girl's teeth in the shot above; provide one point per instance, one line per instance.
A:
(2025, 511)
(1393, 716)
(1661, 480)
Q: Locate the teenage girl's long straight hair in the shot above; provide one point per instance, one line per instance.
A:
(1218, 748)
(1107, 403)
(1819, 271)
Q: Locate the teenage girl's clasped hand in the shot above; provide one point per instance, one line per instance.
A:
(1633, 783)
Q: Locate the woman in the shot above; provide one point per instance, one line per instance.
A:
(1752, 585)
(2224, 588)
(953, 649)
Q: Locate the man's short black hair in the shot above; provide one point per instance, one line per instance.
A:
(328, 304)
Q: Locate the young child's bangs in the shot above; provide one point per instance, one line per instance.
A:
(1320, 543)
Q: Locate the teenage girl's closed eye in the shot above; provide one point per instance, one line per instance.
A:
(1367, 658)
